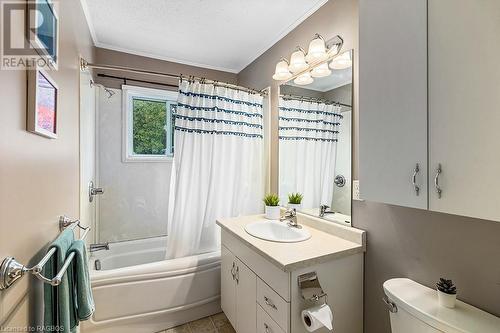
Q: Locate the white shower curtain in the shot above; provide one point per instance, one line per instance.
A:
(308, 139)
(219, 172)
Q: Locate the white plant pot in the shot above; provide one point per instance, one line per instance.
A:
(296, 206)
(447, 300)
(273, 212)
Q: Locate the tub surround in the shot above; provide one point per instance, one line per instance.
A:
(328, 241)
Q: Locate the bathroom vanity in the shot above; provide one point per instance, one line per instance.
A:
(259, 278)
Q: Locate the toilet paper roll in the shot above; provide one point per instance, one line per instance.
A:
(317, 317)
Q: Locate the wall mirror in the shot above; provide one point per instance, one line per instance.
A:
(315, 144)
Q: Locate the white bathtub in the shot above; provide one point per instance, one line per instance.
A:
(137, 291)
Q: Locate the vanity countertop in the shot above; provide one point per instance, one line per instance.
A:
(328, 241)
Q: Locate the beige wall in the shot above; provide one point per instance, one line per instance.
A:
(336, 17)
(109, 57)
(401, 242)
(39, 177)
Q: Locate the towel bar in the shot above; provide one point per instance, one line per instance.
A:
(11, 270)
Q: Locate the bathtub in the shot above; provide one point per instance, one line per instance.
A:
(137, 291)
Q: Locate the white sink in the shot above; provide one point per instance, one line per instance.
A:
(276, 231)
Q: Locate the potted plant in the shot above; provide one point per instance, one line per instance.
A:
(272, 202)
(294, 200)
(447, 293)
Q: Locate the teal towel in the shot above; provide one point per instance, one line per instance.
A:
(58, 303)
(79, 279)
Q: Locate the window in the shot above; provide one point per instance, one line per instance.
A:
(149, 124)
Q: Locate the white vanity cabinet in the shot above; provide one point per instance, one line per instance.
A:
(429, 94)
(259, 279)
(238, 290)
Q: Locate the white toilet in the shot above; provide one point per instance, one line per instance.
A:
(414, 308)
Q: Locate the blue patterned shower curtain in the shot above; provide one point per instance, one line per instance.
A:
(218, 164)
(308, 134)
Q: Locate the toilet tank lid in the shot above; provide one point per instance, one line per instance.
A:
(422, 302)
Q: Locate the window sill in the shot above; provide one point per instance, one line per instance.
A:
(148, 159)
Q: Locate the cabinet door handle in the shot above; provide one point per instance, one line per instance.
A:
(267, 328)
(414, 179)
(232, 270)
(436, 181)
(270, 303)
(237, 275)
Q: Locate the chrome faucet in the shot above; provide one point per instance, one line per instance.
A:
(99, 247)
(323, 209)
(291, 218)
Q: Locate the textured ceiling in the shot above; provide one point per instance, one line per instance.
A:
(219, 34)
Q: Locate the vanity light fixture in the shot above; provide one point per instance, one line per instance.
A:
(303, 67)
(282, 72)
(317, 50)
(303, 79)
(298, 61)
(321, 70)
(343, 61)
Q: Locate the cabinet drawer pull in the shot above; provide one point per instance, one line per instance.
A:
(267, 328)
(232, 270)
(414, 179)
(237, 275)
(270, 303)
(436, 181)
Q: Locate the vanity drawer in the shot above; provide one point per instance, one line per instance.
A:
(265, 324)
(273, 304)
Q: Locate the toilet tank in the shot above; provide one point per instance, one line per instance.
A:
(417, 311)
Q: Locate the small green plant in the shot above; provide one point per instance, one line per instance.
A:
(295, 198)
(271, 200)
(446, 286)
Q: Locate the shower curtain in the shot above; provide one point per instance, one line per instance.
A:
(218, 163)
(308, 140)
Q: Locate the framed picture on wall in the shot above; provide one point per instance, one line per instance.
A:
(42, 104)
(43, 30)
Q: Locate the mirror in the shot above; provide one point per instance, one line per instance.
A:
(315, 128)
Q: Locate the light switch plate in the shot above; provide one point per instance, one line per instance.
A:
(355, 190)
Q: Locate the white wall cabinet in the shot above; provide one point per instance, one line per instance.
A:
(393, 101)
(464, 107)
(429, 94)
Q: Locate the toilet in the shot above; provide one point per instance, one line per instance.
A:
(414, 308)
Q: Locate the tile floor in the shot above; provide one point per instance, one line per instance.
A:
(214, 324)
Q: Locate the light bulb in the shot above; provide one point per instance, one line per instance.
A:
(343, 61)
(321, 70)
(297, 61)
(317, 50)
(303, 79)
(281, 72)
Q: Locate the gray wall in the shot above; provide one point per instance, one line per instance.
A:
(115, 58)
(401, 242)
(342, 94)
(39, 177)
(423, 246)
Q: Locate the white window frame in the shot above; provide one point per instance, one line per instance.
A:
(129, 93)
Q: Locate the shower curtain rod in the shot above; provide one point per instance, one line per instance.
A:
(85, 65)
(312, 99)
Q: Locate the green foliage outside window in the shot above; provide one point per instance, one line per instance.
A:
(149, 127)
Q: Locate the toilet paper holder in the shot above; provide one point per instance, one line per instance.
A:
(310, 288)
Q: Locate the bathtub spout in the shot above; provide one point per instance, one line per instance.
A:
(98, 247)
